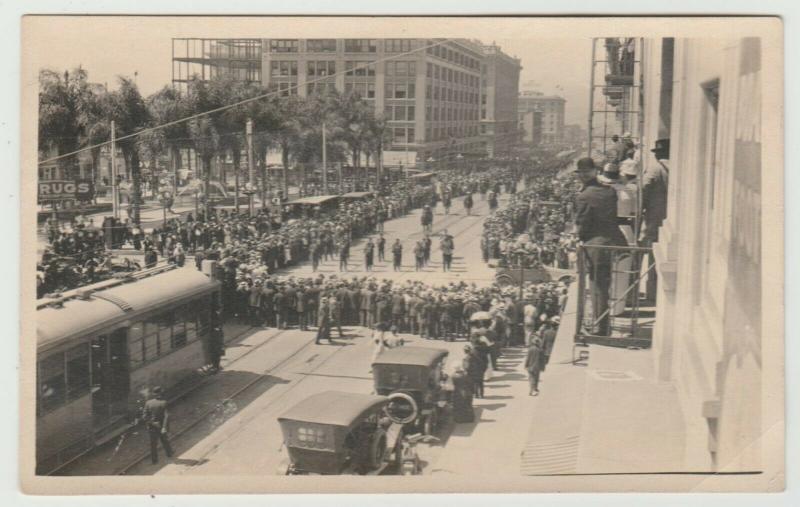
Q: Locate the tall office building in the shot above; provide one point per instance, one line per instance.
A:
(551, 108)
(429, 90)
(499, 100)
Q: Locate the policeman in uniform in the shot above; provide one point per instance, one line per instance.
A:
(156, 418)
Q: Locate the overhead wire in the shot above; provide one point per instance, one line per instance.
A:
(249, 100)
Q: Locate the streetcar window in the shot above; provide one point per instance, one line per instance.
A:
(52, 383)
(191, 324)
(179, 328)
(78, 371)
(165, 321)
(151, 347)
(136, 350)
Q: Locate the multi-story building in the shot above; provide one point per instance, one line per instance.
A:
(429, 90)
(704, 95)
(499, 95)
(530, 125)
(552, 110)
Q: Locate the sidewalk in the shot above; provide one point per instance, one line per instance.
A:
(608, 417)
(611, 416)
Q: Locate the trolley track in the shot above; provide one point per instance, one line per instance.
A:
(238, 393)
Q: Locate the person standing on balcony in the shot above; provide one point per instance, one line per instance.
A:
(596, 223)
(655, 183)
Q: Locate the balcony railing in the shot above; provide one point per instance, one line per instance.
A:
(611, 310)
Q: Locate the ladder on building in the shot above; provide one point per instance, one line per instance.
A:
(615, 94)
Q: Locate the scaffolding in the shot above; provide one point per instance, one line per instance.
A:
(615, 93)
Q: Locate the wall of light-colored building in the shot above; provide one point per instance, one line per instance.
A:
(501, 88)
(552, 109)
(707, 339)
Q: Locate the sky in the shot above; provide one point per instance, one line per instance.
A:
(553, 66)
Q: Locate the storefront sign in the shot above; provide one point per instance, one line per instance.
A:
(63, 190)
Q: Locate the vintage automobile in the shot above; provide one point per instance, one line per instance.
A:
(413, 379)
(338, 433)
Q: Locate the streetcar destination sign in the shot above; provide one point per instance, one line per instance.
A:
(61, 190)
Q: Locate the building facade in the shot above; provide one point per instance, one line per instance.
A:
(499, 97)
(429, 90)
(705, 96)
(551, 108)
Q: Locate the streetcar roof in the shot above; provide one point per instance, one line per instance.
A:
(314, 200)
(415, 356)
(107, 307)
(421, 175)
(335, 408)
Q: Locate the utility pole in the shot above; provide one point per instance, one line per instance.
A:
(251, 169)
(324, 163)
(114, 187)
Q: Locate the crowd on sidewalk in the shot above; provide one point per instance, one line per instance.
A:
(535, 228)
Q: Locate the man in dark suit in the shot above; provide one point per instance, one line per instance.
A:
(596, 221)
(155, 418)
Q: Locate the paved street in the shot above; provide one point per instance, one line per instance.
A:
(467, 263)
(267, 370)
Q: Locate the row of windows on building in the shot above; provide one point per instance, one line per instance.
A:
(434, 71)
(330, 46)
(451, 55)
(445, 113)
(67, 376)
(448, 94)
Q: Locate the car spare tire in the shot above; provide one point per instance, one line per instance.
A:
(402, 408)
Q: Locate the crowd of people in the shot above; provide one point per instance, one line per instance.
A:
(280, 238)
(535, 228)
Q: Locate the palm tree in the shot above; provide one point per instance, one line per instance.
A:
(203, 130)
(59, 114)
(129, 112)
(165, 106)
(379, 136)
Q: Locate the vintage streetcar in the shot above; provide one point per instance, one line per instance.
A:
(101, 348)
(414, 379)
(339, 433)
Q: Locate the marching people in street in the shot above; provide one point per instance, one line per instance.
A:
(397, 255)
(381, 247)
(447, 247)
(419, 255)
(369, 252)
(468, 203)
(427, 242)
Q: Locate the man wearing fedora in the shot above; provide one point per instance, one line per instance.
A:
(655, 183)
(596, 222)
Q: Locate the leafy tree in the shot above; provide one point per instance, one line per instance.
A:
(60, 98)
(127, 109)
(202, 130)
